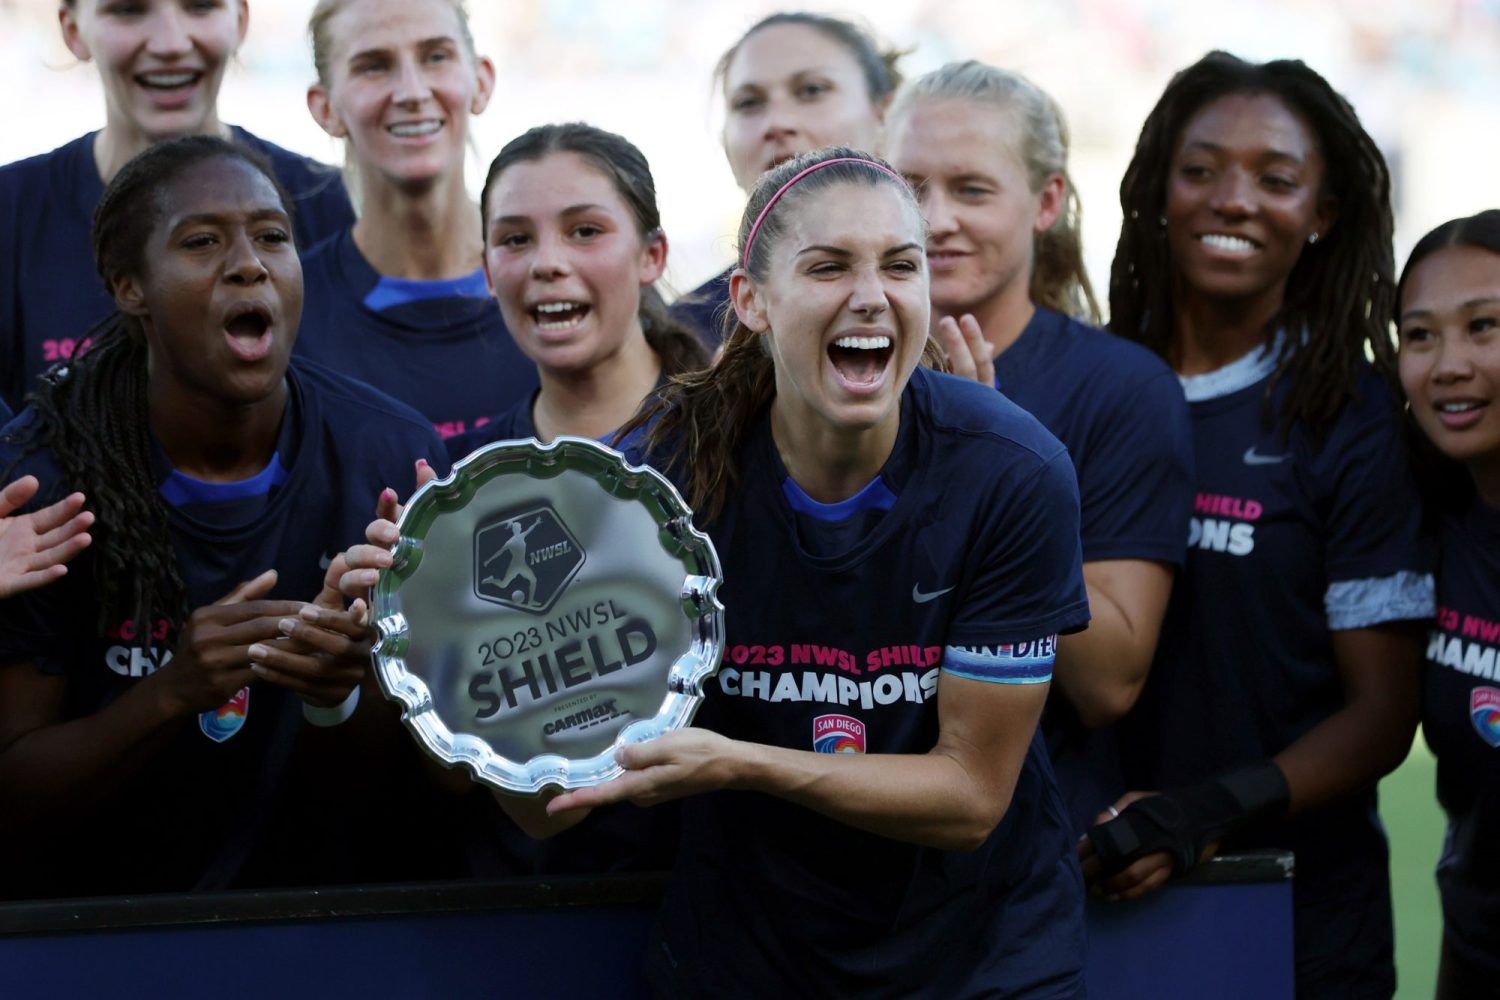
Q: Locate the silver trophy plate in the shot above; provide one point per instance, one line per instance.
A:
(547, 604)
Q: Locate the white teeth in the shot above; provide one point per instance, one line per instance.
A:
(1458, 407)
(863, 343)
(1233, 244)
(574, 313)
(557, 307)
(406, 129)
(168, 79)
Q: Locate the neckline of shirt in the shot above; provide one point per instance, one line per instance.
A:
(1241, 373)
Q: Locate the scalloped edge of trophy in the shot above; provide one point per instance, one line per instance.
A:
(685, 687)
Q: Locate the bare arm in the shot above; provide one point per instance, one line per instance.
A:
(1101, 670)
(951, 797)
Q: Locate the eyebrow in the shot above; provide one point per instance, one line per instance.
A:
(219, 218)
(1213, 147)
(514, 220)
(381, 50)
(843, 253)
(1484, 300)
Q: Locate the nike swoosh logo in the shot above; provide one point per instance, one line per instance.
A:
(921, 598)
(1251, 458)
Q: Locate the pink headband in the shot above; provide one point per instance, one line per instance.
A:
(750, 240)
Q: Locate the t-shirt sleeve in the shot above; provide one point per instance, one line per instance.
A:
(1378, 561)
(1027, 581)
(1136, 483)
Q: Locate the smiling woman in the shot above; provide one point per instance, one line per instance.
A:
(398, 300)
(1255, 258)
(161, 63)
(151, 673)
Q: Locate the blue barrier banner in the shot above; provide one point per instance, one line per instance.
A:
(1225, 934)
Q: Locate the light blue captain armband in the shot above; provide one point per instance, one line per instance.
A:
(1013, 663)
(1403, 596)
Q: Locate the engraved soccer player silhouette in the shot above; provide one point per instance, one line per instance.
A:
(516, 547)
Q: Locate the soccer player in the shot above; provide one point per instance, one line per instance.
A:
(161, 63)
(1255, 258)
(846, 820)
(162, 706)
(574, 245)
(794, 82)
(1448, 316)
(986, 151)
(398, 300)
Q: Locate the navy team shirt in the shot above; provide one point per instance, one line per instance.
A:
(1120, 411)
(706, 309)
(230, 799)
(441, 347)
(1461, 720)
(1289, 542)
(841, 619)
(50, 294)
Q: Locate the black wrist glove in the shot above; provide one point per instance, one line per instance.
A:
(1182, 821)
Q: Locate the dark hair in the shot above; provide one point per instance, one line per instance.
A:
(878, 65)
(699, 420)
(617, 158)
(1339, 293)
(1445, 483)
(91, 412)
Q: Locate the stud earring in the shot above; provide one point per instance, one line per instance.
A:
(1312, 238)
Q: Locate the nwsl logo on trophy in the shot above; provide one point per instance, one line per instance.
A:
(525, 559)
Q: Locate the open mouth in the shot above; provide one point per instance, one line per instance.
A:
(860, 361)
(1460, 413)
(559, 315)
(248, 328)
(414, 130)
(169, 82)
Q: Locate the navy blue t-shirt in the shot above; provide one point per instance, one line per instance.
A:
(215, 802)
(842, 652)
(1121, 413)
(1461, 720)
(50, 294)
(1289, 542)
(514, 424)
(706, 309)
(438, 346)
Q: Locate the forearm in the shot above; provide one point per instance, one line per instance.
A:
(56, 767)
(1352, 749)
(1102, 669)
(928, 799)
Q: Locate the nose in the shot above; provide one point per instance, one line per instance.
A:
(781, 119)
(169, 36)
(242, 265)
(1232, 194)
(867, 297)
(548, 262)
(937, 209)
(1452, 363)
(411, 86)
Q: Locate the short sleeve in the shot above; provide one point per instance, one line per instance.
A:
(1135, 483)
(1377, 559)
(1027, 581)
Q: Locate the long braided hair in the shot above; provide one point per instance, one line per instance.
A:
(1340, 292)
(699, 420)
(91, 413)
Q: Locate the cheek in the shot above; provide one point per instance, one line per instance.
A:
(1412, 371)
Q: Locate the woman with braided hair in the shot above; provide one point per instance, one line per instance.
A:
(1255, 258)
(152, 706)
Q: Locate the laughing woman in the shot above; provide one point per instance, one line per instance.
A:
(162, 724)
(161, 63)
(1448, 314)
(399, 300)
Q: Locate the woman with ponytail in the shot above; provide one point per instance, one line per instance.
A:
(573, 246)
(987, 152)
(161, 703)
(844, 822)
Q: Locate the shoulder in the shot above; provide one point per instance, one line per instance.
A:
(1110, 360)
(976, 420)
(299, 173)
(22, 182)
(18, 459)
(1371, 418)
(347, 402)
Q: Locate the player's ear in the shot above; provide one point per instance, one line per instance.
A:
(748, 301)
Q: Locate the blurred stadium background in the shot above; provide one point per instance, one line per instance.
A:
(1423, 75)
